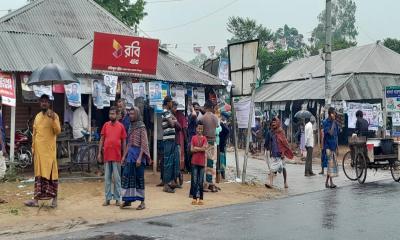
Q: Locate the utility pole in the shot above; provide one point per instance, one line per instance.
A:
(328, 53)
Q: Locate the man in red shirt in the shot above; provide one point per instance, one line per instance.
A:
(112, 144)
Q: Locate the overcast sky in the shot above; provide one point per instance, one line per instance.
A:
(203, 22)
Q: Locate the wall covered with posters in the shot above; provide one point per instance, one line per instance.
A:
(372, 113)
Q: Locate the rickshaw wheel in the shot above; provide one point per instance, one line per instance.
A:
(395, 170)
(361, 168)
(349, 167)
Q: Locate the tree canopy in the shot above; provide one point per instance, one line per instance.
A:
(392, 43)
(129, 13)
(344, 31)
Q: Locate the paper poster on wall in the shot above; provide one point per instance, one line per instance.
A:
(199, 95)
(73, 93)
(127, 93)
(242, 114)
(111, 83)
(223, 69)
(178, 95)
(139, 90)
(372, 113)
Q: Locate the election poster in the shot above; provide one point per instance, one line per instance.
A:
(223, 69)
(372, 113)
(198, 95)
(111, 83)
(139, 90)
(157, 92)
(73, 93)
(178, 93)
(99, 94)
(242, 109)
(127, 93)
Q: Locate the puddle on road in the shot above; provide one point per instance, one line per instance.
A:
(118, 237)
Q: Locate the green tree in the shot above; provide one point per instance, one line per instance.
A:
(392, 43)
(198, 60)
(344, 31)
(244, 29)
(270, 62)
(129, 13)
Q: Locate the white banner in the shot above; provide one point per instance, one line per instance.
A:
(372, 113)
(242, 109)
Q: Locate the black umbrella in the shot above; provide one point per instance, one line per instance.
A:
(303, 114)
(51, 74)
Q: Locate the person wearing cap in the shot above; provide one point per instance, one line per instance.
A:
(179, 141)
(210, 123)
(46, 127)
(169, 133)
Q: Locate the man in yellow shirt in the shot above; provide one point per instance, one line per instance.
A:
(46, 127)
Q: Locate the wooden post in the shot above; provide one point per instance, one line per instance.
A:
(90, 117)
(155, 142)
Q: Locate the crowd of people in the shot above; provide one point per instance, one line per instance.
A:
(196, 144)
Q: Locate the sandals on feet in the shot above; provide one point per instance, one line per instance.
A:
(141, 206)
(31, 203)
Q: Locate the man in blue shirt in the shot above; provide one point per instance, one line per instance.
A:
(330, 144)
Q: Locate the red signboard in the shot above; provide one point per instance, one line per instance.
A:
(124, 53)
(7, 89)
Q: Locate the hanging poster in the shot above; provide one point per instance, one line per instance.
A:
(223, 69)
(7, 89)
(73, 93)
(40, 90)
(111, 83)
(178, 95)
(85, 85)
(242, 109)
(372, 113)
(127, 93)
(157, 92)
(139, 90)
(199, 95)
(99, 94)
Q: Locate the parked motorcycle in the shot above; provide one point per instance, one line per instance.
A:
(23, 156)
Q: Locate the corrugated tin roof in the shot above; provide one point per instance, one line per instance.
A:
(372, 58)
(309, 89)
(25, 52)
(366, 86)
(72, 18)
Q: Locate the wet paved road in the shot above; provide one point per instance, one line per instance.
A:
(369, 211)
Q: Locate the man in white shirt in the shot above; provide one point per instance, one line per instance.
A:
(309, 143)
(80, 123)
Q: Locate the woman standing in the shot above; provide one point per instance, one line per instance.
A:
(135, 158)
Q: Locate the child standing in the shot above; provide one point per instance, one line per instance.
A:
(198, 148)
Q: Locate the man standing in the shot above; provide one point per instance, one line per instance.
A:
(80, 123)
(210, 123)
(113, 144)
(278, 146)
(46, 127)
(169, 123)
(361, 124)
(309, 143)
(330, 143)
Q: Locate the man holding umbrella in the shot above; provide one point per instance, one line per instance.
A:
(46, 127)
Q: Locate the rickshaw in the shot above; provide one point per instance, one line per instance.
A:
(371, 153)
